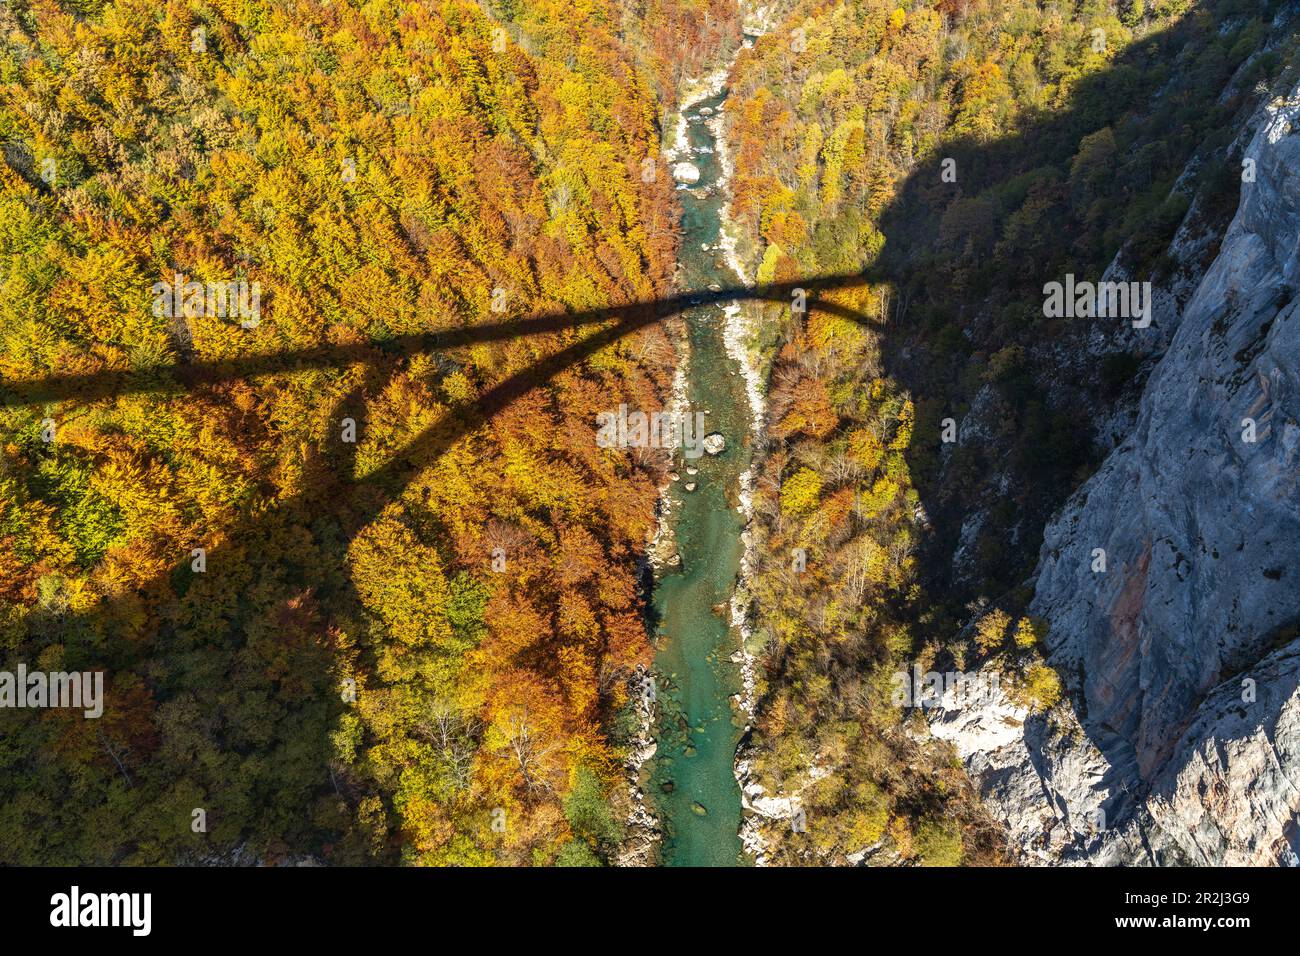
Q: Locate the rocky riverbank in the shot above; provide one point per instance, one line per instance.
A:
(739, 336)
(643, 845)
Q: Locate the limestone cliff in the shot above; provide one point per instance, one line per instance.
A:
(1181, 739)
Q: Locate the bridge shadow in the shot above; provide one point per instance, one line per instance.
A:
(614, 323)
(609, 326)
(301, 703)
(948, 268)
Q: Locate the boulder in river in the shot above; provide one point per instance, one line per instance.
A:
(686, 173)
(714, 443)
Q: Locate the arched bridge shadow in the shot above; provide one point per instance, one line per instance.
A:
(335, 513)
(942, 251)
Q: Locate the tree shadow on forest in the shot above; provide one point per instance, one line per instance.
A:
(923, 245)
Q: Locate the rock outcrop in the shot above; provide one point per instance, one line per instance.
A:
(1181, 740)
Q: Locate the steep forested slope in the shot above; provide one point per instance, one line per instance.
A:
(952, 158)
(409, 646)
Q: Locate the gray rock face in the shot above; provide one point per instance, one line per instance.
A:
(1183, 741)
(1196, 522)
(1229, 796)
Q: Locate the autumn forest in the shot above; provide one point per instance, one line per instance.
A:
(309, 308)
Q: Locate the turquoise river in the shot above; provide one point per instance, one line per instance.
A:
(691, 782)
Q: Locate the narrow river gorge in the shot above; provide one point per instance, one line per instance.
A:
(692, 783)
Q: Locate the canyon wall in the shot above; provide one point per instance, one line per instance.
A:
(1179, 740)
